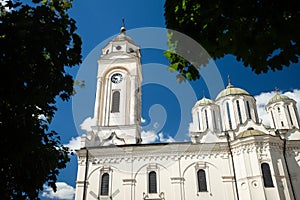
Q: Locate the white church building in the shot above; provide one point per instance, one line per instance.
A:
(231, 154)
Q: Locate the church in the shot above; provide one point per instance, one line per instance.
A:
(231, 155)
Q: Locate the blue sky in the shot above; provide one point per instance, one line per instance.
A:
(166, 109)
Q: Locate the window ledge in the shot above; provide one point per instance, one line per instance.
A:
(154, 196)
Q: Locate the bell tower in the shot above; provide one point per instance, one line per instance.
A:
(118, 96)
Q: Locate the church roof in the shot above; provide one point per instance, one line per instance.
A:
(231, 90)
(123, 37)
(204, 101)
(249, 133)
(278, 97)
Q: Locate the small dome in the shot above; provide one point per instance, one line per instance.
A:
(230, 90)
(250, 132)
(203, 101)
(122, 29)
(278, 97)
(123, 37)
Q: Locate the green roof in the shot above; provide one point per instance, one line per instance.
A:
(278, 97)
(230, 90)
(204, 101)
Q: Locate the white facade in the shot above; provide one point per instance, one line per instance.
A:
(118, 96)
(231, 154)
(283, 112)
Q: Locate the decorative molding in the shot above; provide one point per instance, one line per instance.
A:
(129, 182)
(81, 182)
(177, 180)
(259, 146)
(200, 165)
(227, 179)
(152, 167)
(117, 154)
(111, 137)
(160, 196)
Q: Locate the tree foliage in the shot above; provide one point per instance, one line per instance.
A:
(38, 43)
(261, 34)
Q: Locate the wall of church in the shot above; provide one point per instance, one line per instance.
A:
(176, 167)
(293, 160)
(250, 156)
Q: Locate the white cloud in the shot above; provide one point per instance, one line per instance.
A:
(261, 101)
(87, 124)
(151, 136)
(74, 143)
(143, 120)
(64, 191)
(162, 138)
(263, 98)
(295, 94)
(148, 136)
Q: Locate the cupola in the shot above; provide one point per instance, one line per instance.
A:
(206, 115)
(282, 112)
(236, 107)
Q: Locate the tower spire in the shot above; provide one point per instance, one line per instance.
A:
(229, 84)
(123, 29)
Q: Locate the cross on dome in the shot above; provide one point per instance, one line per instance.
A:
(229, 84)
(123, 29)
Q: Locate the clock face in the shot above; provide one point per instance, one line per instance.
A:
(116, 78)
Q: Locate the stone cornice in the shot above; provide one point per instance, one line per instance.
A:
(177, 151)
(293, 147)
(173, 151)
(257, 144)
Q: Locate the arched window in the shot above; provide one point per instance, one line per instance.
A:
(104, 184)
(206, 118)
(289, 113)
(115, 102)
(239, 111)
(267, 177)
(273, 119)
(248, 110)
(228, 113)
(214, 118)
(198, 114)
(202, 186)
(152, 186)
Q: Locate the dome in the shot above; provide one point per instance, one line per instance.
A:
(250, 132)
(204, 101)
(278, 97)
(123, 37)
(230, 90)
